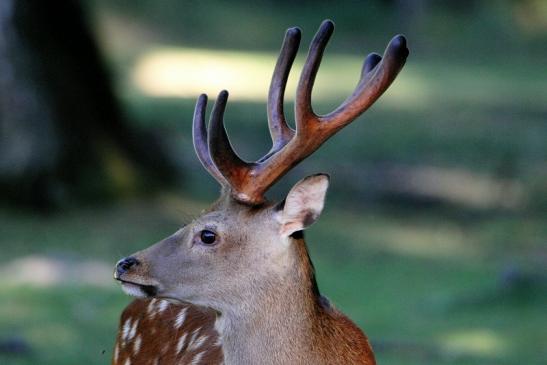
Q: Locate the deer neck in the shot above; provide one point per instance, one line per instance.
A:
(279, 325)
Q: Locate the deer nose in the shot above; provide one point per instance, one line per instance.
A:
(125, 264)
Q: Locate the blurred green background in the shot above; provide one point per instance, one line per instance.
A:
(434, 239)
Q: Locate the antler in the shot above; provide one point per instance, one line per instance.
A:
(248, 181)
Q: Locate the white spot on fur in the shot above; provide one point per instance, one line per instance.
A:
(200, 340)
(126, 329)
(151, 305)
(181, 317)
(137, 345)
(180, 343)
(152, 308)
(193, 338)
(197, 358)
(218, 342)
(133, 330)
(116, 353)
(163, 306)
(127, 362)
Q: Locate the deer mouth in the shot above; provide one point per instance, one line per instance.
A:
(138, 290)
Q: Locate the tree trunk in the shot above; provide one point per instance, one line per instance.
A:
(63, 135)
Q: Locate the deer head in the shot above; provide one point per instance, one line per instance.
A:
(245, 251)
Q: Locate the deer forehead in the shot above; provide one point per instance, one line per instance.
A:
(237, 220)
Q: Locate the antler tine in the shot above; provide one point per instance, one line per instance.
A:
(372, 85)
(370, 63)
(199, 137)
(279, 129)
(230, 165)
(303, 108)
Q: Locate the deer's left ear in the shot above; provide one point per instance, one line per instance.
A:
(303, 204)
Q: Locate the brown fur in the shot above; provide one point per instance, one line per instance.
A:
(159, 336)
(339, 339)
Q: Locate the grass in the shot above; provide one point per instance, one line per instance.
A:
(416, 301)
(62, 325)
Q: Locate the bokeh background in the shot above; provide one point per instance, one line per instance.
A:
(434, 239)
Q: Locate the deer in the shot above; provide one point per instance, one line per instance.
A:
(237, 285)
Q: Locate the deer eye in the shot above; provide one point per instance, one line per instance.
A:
(208, 237)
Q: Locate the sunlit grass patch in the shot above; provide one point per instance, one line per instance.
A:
(187, 72)
(439, 240)
(475, 341)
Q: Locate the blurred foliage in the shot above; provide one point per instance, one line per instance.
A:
(63, 136)
(431, 278)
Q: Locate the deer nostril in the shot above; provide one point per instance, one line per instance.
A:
(125, 264)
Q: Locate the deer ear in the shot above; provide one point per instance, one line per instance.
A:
(303, 204)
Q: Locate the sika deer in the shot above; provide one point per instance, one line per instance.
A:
(237, 285)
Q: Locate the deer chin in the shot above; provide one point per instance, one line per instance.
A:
(139, 290)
